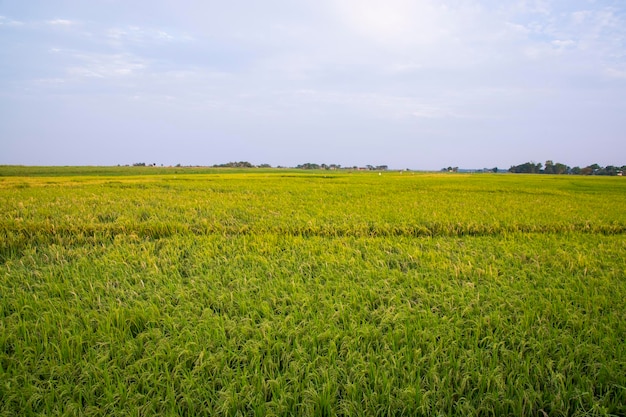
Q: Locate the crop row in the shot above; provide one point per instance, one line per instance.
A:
(18, 236)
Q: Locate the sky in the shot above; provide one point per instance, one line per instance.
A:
(418, 84)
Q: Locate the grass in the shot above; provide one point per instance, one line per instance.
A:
(269, 293)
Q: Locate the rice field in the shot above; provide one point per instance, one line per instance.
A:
(158, 291)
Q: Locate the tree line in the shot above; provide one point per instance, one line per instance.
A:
(549, 167)
(310, 165)
(559, 168)
(307, 165)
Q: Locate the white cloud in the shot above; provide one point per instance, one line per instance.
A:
(5, 21)
(562, 44)
(405, 67)
(541, 7)
(142, 36)
(518, 29)
(164, 36)
(579, 17)
(396, 23)
(616, 73)
(49, 81)
(373, 105)
(61, 22)
(107, 65)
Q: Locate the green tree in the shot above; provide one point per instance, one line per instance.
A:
(526, 168)
(560, 168)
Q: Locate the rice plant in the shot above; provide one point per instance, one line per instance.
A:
(271, 294)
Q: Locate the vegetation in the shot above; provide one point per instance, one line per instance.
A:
(559, 168)
(240, 164)
(171, 291)
(310, 165)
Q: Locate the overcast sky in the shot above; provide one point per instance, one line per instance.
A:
(418, 84)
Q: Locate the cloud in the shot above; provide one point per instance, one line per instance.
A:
(5, 21)
(541, 7)
(563, 44)
(341, 70)
(617, 73)
(61, 22)
(400, 24)
(142, 36)
(372, 105)
(106, 65)
(517, 29)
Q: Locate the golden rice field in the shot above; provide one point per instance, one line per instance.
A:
(217, 292)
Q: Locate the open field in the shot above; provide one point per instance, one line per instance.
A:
(277, 292)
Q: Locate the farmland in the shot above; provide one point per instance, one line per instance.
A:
(157, 291)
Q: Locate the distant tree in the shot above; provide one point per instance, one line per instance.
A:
(526, 168)
(139, 164)
(240, 164)
(608, 170)
(586, 171)
(560, 168)
(590, 169)
(308, 165)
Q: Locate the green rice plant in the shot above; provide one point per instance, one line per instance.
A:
(283, 294)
